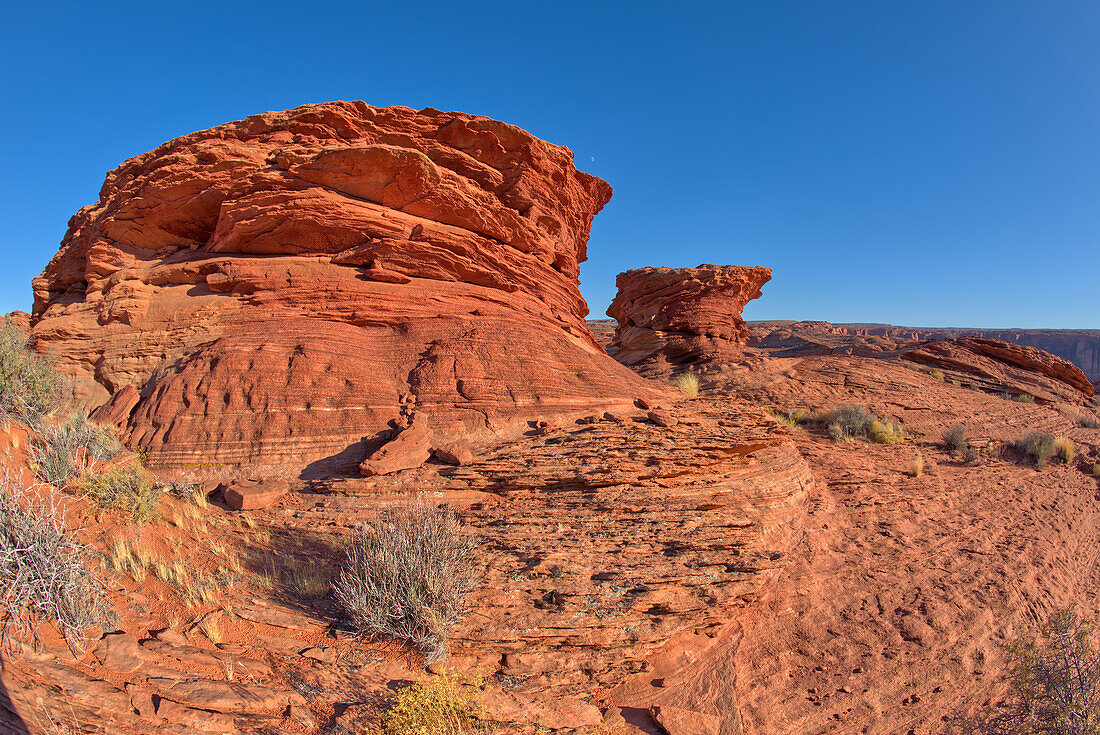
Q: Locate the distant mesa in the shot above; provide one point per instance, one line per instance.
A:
(272, 290)
(683, 315)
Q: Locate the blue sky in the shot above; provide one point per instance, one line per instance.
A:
(931, 163)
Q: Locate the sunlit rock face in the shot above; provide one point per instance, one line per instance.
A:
(279, 287)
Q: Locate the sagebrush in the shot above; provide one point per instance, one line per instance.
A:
(852, 421)
(406, 577)
(44, 571)
(1041, 447)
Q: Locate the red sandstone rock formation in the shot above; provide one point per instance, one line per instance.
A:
(276, 288)
(683, 314)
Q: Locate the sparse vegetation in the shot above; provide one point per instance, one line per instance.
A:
(127, 488)
(793, 419)
(954, 439)
(1024, 398)
(688, 383)
(1096, 470)
(44, 570)
(937, 375)
(1038, 446)
(885, 432)
(970, 457)
(851, 421)
(30, 388)
(70, 449)
(1088, 421)
(406, 576)
(1064, 450)
(1054, 685)
(312, 581)
(916, 469)
(435, 707)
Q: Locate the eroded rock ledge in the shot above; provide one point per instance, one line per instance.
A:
(683, 315)
(277, 288)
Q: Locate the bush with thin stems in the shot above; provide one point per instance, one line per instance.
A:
(406, 576)
(30, 388)
(56, 451)
(438, 705)
(1038, 446)
(44, 571)
(1054, 685)
(127, 488)
(954, 439)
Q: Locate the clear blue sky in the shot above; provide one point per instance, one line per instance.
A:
(921, 163)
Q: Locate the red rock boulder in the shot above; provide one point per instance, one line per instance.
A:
(275, 288)
(683, 315)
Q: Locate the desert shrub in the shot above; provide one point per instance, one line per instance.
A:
(1096, 470)
(1038, 446)
(916, 469)
(970, 457)
(937, 375)
(55, 451)
(849, 421)
(1024, 398)
(437, 707)
(885, 432)
(44, 571)
(128, 488)
(954, 439)
(1064, 450)
(1088, 421)
(688, 383)
(30, 388)
(1054, 685)
(793, 419)
(406, 576)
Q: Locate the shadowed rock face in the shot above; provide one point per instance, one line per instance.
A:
(683, 314)
(279, 287)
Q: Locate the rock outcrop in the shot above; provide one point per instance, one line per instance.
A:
(280, 287)
(683, 315)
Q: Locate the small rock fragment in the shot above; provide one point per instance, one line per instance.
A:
(662, 418)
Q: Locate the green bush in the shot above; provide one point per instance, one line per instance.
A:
(30, 388)
(406, 576)
(1024, 398)
(129, 489)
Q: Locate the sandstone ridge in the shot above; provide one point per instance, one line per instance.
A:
(278, 288)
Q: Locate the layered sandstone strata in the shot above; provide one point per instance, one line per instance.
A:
(280, 287)
(683, 315)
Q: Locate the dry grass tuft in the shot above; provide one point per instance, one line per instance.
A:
(688, 383)
(30, 388)
(885, 432)
(56, 451)
(1038, 446)
(916, 469)
(1064, 450)
(406, 576)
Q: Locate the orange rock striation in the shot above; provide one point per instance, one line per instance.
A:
(683, 315)
(276, 289)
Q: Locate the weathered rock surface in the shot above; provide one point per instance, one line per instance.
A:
(255, 494)
(271, 287)
(684, 315)
(411, 448)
